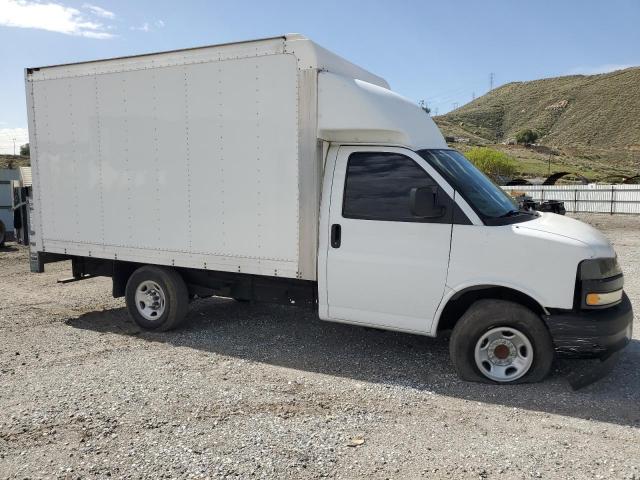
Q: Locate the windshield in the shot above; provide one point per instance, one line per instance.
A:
(485, 197)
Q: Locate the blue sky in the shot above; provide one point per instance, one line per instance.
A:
(440, 51)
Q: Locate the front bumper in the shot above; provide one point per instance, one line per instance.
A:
(591, 333)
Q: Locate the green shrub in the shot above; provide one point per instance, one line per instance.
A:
(492, 162)
(24, 150)
(527, 136)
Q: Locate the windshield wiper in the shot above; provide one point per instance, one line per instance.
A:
(510, 213)
(514, 212)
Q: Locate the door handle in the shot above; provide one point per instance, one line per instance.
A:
(336, 235)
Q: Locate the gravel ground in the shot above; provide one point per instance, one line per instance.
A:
(262, 391)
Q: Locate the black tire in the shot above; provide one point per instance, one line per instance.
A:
(175, 292)
(3, 234)
(486, 315)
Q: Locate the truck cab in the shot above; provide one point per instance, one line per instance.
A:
(413, 237)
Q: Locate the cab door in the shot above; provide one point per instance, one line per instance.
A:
(386, 266)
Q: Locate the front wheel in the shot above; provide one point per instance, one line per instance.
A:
(498, 341)
(157, 298)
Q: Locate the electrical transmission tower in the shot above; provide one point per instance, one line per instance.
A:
(491, 75)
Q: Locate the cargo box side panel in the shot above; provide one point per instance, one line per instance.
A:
(242, 157)
(118, 149)
(69, 170)
(194, 164)
(143, 157)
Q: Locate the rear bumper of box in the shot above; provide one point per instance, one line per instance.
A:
(591, 333)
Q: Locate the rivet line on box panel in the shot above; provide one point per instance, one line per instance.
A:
(122, 70)
(154, 96)
(188, 153)
(127, 159)
(174, 251)
(258, 162)
(100, 189)
(34, 159)
(51, 201)
(297, 149)
(221, 160)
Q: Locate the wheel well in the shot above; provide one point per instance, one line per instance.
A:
(461, 301)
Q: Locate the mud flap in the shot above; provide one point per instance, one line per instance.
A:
(590, 371)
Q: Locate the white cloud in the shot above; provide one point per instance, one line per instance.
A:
(594, 70)
(142, 28)
(147, 27)
(6, 139)
(99, 11)
(54, 17)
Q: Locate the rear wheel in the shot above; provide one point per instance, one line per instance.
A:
(157, 298)
(498, 341)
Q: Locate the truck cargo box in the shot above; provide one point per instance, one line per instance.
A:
(205, 158)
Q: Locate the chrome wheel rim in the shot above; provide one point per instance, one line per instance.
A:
(503, 354)
(150, 300)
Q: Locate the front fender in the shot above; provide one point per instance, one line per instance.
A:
(460, 289)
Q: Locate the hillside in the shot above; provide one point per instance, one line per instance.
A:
(594, 118)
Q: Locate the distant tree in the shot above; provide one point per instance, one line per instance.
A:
(492, 162)
(526, 136)
(423, 106)
(24, 150)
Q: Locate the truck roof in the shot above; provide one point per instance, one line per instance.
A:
(309, 54)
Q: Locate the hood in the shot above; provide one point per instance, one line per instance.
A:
(573, 229)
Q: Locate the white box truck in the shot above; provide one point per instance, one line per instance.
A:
(274, 170)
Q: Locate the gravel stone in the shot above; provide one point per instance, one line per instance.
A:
(265, 391)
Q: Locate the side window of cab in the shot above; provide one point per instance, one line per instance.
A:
(378, 186)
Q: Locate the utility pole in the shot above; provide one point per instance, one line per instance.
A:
(473, 96)
(491, 76)
(455, 105)
(14, 147)
(436, 112)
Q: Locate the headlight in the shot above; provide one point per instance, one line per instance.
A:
(599, 268)
(600, 283)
